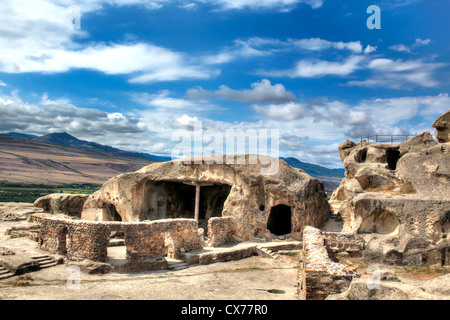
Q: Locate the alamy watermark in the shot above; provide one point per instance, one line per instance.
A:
(374, 279)
(73, 278)
(374, 21)
(231, 146)
(73, 17)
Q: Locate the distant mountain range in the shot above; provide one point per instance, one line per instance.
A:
(65, 139)
(313, 169)
(30, 161)
(330, 177)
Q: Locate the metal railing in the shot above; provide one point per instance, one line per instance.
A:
(390, 138)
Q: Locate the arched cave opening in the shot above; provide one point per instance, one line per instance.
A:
(280, 221)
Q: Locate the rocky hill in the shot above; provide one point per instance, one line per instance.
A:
(36, 162)
(398, 197)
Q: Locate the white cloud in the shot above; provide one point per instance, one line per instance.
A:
(399, 74)
(262, 91)
(317, 44)
(308, 68)
(284, 112)
(370, 49)
(2, 84)
(308, 130)
(368, 117)
(60, 115)
(405, 48)
(163, 101)
(186, 120)
(420, 42)
(34, 37)
(267, 4)
(400, 48)
(260, 47)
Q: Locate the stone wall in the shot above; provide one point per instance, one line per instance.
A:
(319, 276)
(30, 232)
(161, 237)
(219, 231)
(80, 239)
(336, 242)
(75, 238)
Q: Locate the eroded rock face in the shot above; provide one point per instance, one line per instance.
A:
(72, 204)
(12, 211)
(398, 197)
(442, 125)
(165, 190)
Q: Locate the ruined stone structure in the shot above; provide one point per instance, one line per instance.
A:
(318, 275)
(71, 204)
(252, 205)
(81, 239)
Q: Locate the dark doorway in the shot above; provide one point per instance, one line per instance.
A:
(392, 157)
(279, 221)
(112, 213)
(62, 241)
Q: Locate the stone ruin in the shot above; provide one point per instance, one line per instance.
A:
(162, 210)
(245, 205)
(392, 207)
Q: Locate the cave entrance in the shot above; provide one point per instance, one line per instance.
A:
(279, 221)
(187, 199)
(112, 213)
(392, 156)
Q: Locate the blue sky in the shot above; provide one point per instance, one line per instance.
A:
(136, 71)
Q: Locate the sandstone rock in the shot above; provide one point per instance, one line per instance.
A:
(241, 191)
(360, 290)
(92, 267)
(388, 275)
(13, 211)
(440, 286)
(376, 155)
(345, 148)
(429, 174)
(442, 125)
(373, 176)
(347, 190)
(71, 204)
(420, 143)
(403, 203)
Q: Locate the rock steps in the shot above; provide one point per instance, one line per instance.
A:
(278, 250)
(45, 261)
(5, 273)
(175, 264)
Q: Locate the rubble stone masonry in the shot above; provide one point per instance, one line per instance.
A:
(219, 229)
(319, 276)
(81, 239)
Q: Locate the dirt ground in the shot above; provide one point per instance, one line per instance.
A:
(254, 278)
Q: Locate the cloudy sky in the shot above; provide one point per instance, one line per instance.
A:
(129, 73)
